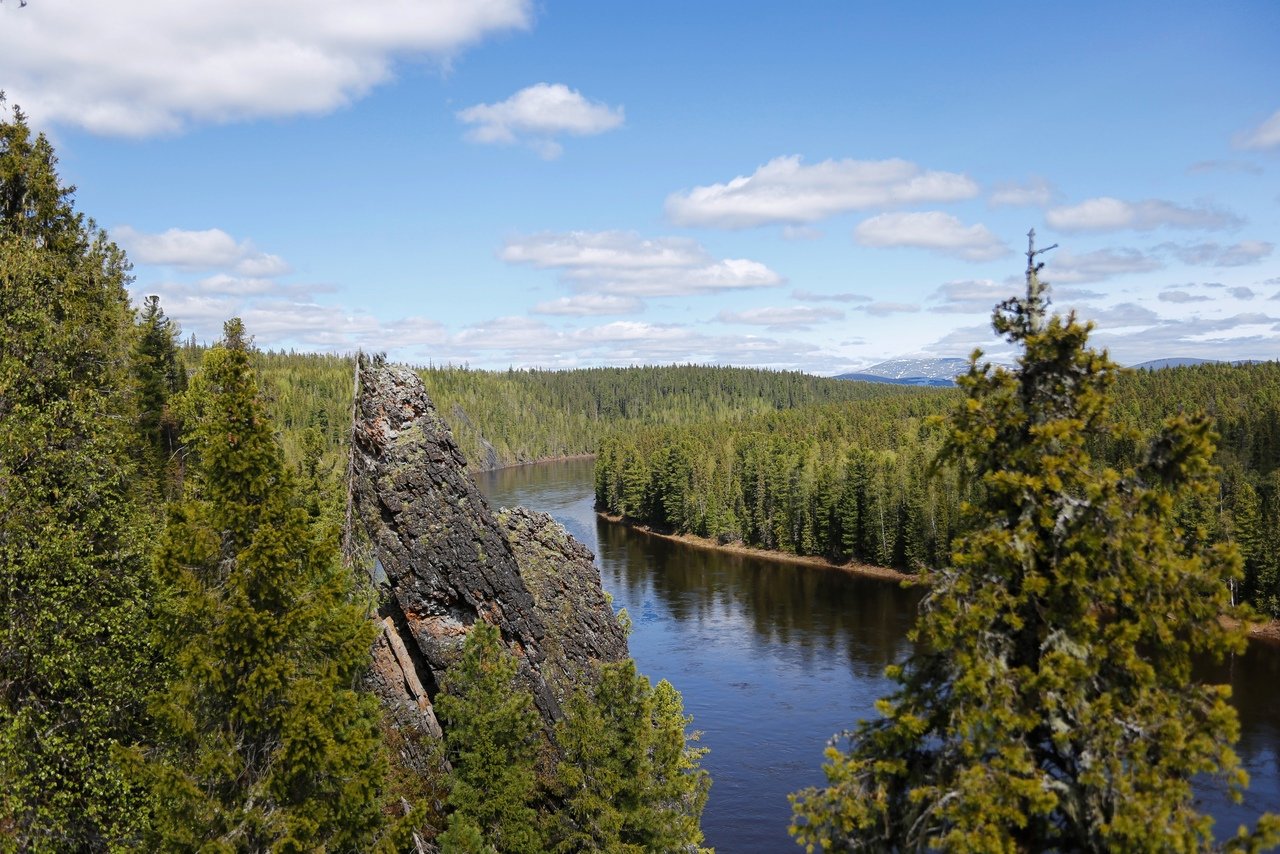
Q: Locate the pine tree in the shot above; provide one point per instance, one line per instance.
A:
(492, 733)
(1049, 703)
(266, 743)
(74, 666)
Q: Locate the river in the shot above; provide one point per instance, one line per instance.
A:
(774, 658)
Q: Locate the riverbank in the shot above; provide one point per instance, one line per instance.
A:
(1268, 632)
(866, 570)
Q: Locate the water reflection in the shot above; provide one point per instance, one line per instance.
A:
(772, 659)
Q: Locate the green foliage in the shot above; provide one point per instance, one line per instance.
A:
(507, 417)
(1049, 703)
(265, 744)
(492, 732)
(158, 377)
(73, 663)
(628, 779)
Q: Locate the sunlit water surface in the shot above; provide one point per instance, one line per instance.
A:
(773, 659)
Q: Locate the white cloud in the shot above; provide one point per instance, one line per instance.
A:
(844, 296)
(932, 230)
(785, 191)
(781, 317)
(209, 249)
(624, 264)
(971, 296)
(1101, 264)
(538, 113)
(1217, 255)
(884, 309)
(1242, 293)
(1122, 316)
(582, 305)
(140, 67)
(1037, 192)
(1110, 214)
(1179, 296)
(526, 342)
(1265, 135)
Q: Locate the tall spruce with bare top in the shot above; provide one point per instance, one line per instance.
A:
(1049, 703)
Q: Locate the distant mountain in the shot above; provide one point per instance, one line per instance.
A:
(920, 372)
(1176, 362)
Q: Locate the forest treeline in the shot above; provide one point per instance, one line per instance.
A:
(182, 645)
(857, 480)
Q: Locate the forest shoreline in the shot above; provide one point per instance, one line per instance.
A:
(865, 570)
(1268, 632)
(561, 459)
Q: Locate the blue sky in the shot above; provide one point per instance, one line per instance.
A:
(810, 185)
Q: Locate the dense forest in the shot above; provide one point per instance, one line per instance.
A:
(502, 418)
(183, 645)
(857, 480)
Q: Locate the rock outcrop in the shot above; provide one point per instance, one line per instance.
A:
(450, 561)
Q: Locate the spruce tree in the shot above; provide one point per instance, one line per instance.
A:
(159, 376)
(266, 744)
(629, 781)
(493, 737)
(74, 668)
(1049, 703)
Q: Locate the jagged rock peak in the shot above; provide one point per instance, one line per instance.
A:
(449, 561)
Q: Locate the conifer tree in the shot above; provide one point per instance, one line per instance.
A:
(1049, 703)
(74, 668)
(159, 376)
(492, 733)
(629, 781)
(266, 743)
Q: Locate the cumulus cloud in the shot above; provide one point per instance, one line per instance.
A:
(1036, 192)
(785, 191)
(1110, 214)
(1242, 292)
(1217, 255)
(932, 230)
(1122, 316)
(623, 263)
(1099, 265)
(537, 114)
(583, 305)
(781, 317)
(843, 296)
(971, 295)
(209, 249)
(140, 67)
(1265, 135)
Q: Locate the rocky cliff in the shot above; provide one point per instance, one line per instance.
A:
(450, 560)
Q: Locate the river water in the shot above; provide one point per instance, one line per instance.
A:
(773, 659)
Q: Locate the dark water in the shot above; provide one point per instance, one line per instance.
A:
(772, 659)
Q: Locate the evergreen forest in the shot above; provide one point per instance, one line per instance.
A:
(184, 639)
